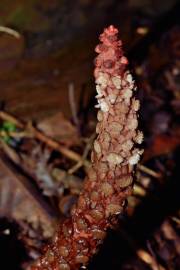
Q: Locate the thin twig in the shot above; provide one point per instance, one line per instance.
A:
(73, 104)
(139, 190)
(148, 171)
(42, 137)
(9, 31)
(7, 117)
(15, 134)
(177, 220)
(84, 156)
(147, 258)
(10, 152)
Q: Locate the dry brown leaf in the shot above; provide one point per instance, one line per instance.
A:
(20, 201)
(59, 128)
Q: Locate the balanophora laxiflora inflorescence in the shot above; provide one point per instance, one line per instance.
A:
(109, 180)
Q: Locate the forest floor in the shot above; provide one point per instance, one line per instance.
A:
(47, 126)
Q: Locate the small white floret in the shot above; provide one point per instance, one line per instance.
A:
(127, 94)
(104, 106)
(136, 104)
(99, 91)
(134, 159)
(102, 79)
(112, 98)
(114, 159)
(97, 147)
(117, 82)
(139, 137)
(129, 78)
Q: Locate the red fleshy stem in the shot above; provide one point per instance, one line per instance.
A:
(114, 155)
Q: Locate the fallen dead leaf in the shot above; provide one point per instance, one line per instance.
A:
(59, 128)
(20, 201)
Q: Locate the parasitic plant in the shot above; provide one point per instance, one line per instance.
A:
(110, 177)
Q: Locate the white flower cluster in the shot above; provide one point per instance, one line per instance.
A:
(106, 97)
(102, 83)
(105, 80)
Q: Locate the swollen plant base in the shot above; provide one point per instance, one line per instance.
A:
(110, 178)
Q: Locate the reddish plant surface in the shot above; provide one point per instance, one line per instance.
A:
(109, 180)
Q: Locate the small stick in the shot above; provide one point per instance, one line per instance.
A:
(9, 31)
(73, 104)
(84, 156)
(7, 117)
(147, 258)
(148, 171)
(177, 220)
(42, 137)
(138, 190)
(14, 134)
